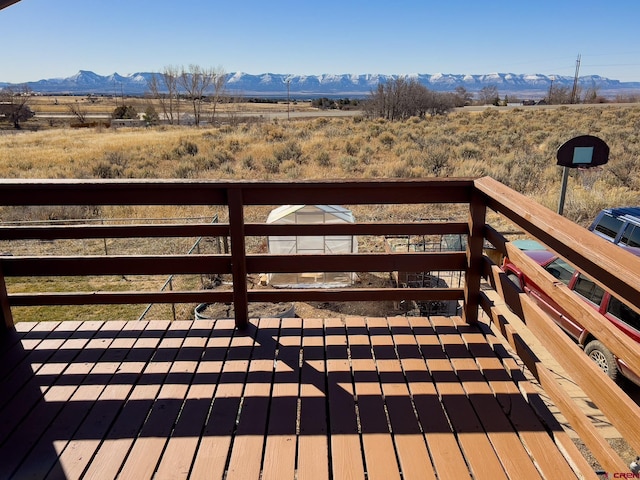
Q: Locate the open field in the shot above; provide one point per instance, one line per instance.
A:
(516, 146)
(106, 104)
(55, 110)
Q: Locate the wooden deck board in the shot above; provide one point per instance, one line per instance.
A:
(20, 385)
(475, 445)
(112, 452)
(531, 431)
(346, 454)
(280, 445)
(376, 398)
(505, 441)
(443, 446)
(248, 443)
(559, 438)
(25, 422)
(408, 438)
(15, 344)
(377, 441)
(313, 444)
(42, 457)
(148, 447)
(175, 462)
(83, 444)
(211, 456)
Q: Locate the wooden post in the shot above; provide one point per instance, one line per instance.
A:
(6, 322)
(238, 256)
(475, 243)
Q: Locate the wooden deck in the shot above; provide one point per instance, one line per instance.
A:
(411, 398)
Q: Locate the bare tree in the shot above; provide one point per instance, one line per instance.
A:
(77, 110)
(14, 105)
(195, 81)
(219, 88)
(403, 98)
(436, 103)
(488, 95)
(558, 95)
(592, 95)
(233, 109)
(393, 100)
(164, 88)
(462, 97)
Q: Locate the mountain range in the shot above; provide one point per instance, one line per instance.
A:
(346, 85)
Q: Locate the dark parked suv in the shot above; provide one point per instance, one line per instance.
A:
(618, 225)
(609, 307)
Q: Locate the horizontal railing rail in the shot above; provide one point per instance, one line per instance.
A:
(222, 264)
(61, 232)
(185, 192)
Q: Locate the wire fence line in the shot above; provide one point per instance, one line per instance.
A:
(169, 282)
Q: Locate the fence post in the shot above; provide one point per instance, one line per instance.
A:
(238, 256)
(475, 243)
(173, 305)
(104, 241)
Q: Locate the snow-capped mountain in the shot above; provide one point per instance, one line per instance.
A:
(346, 85)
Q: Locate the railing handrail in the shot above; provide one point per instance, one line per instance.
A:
(613, 268)
(192, 192)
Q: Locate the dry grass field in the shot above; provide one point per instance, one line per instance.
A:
(515, 146)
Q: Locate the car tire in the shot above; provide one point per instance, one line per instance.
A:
(515, 280)
(603, 357)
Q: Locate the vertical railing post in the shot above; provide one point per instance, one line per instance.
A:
(238, 256)
(6, 322)
(104, 240)
(173, 305)
(477, 214)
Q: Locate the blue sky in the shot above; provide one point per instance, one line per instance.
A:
(56, 38)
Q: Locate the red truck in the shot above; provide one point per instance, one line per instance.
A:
(609, 307)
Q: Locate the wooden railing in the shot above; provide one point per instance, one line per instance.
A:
(235, 196)
(613, 268)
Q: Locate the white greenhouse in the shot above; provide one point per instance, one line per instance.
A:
(311, 245)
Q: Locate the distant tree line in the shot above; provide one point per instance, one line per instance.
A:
(332, 104)
(180, 90)
(556, 95)
(406, 97)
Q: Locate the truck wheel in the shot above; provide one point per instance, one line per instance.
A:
(603, 357)
(514, 278)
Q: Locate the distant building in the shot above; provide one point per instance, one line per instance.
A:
(127, 122)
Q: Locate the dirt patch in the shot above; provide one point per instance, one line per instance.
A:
(619, 445)
(259, 309)
(346, 309)
(310, 309)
